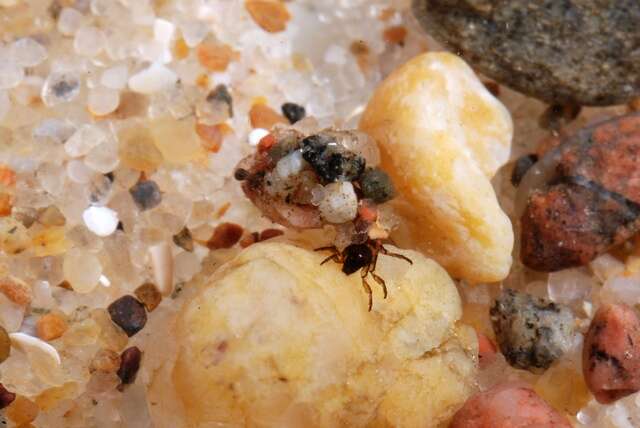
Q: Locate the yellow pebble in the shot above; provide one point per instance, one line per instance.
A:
(442, 136)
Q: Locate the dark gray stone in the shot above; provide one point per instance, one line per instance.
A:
(531, 332)
(584, 52)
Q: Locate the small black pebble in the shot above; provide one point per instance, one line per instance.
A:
(377, 186)
(129, 314)
(129, 365)
(523, 164)
(329, 161)
(110, 176)
(293, 112)
(184, 240)
(146, 194)
(221, 94)
(241, 174)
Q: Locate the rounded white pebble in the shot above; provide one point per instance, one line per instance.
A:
(89, 41)
(26, 52)
(103, 101)
(340, 203)
(69, 21)
(115, 77)
(152, 79)
(11, 74)
(256, 135)
(102, 221)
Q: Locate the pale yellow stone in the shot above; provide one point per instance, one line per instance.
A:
(274, 339)
(442, 136)
(177, 140)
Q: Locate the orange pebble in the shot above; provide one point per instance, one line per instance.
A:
(215, 57)
(180, 49)
(266, 142)
(6, 204)
(368, 212)
(7, 176)
(16, 291)
(212, 135)
(395, 35)
(271, 15)
(487, 350)
(263, 116)
(50, 326)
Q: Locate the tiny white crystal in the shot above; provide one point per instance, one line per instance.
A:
(163, 31)
(102, 221)
(115, 77)
(26, 52)
(256, 135)
(69, 21)
(152, 79)
(89, 41)
(79, 172)
(103, 101)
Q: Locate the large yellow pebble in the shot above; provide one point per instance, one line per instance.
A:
(442, 136)
(274, 339)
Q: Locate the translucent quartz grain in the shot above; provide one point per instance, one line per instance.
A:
(103, 101)
(103, 158)
(69, 21)
(60, 88)
(152, 79)
(83, 140)
(27, 52)
(82, 270)
(115, 77)
(89, 41)
(78, 172)
(11, 74)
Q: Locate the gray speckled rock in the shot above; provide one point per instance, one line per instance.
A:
(584, 52)
(531, 332)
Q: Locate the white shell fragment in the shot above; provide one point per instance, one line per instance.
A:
(162, 266)
(44, 358)
(102, 221)
(152, 79)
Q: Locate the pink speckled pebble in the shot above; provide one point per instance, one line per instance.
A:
(508, 406)
(611, 353)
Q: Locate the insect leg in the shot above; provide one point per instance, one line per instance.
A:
(380, 281)
(396, 255)
(367, 288)
(331, 247)
(334, 257)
